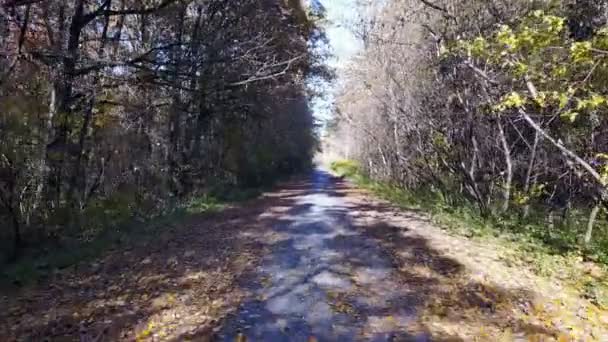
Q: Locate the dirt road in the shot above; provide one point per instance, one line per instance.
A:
(323, 277)
(315, 260)
(345, 266)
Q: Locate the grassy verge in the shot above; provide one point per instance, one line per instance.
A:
(39, 263)
(528, 243)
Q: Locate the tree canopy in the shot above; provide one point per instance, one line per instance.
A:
(118, 108)
(501, 104)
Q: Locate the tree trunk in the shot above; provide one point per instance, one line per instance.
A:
(469, 178)
(76, 177)
(43, 169)
(175, 117)
(64, 93)
(17, 238)
(509, 171)
(590, 223)
(201, 119)
(529, 182)
(18, 242)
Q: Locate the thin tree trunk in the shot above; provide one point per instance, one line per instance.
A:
(175, 118)
(43, 169)
(529, 182)
(78, 164)
(18, 241)
(509, 171)
(469, 176)
(65, 92)
(387, 167)
(590, 224)
(202, 116)
(7, 202)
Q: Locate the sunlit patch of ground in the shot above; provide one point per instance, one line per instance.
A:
(467, 291)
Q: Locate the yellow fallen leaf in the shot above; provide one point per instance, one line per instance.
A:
(507, 336)
(240, 338)
(538, 307)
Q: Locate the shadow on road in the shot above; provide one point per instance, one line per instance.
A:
(332, 269)
(334, 277)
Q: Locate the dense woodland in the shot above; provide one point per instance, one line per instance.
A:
(500, 106)
(136, 136)
(130, 129)
(113, 110)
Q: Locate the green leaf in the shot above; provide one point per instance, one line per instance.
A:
(570, 116)
(581, 52)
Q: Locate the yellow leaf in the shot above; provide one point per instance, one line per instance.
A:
(581, 52)
(570, 115)
(507, 336)
(538, 307)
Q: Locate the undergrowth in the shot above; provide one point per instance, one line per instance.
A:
(124, 229)
(528, 242)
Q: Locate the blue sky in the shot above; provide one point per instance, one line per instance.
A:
(340, 15)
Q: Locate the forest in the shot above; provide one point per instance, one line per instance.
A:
(114, 110)
(303, 170)
(492, 110)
